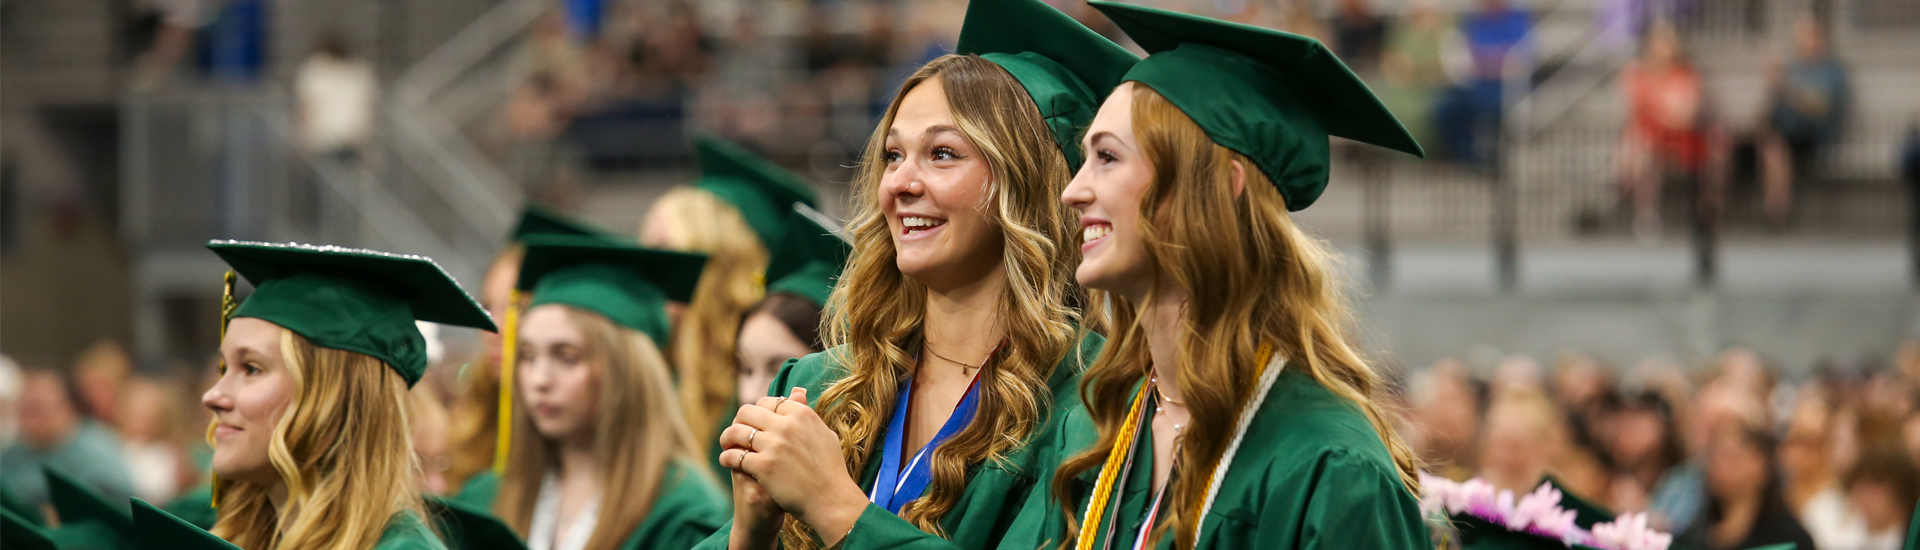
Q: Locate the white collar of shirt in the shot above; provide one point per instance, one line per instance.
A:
(546, 519)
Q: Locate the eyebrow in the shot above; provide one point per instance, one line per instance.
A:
(931, 130)
(1103, 134)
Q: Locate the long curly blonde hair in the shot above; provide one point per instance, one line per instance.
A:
(1250, 276)
(342, 447)
(875, 315)
(705, 335)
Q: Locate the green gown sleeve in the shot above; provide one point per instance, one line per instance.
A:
(406, 531)
(479, 491)
(196, 507)
(690, 507)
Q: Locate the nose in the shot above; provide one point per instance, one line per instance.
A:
(216, 398)
(1079, 193)
(903, 182)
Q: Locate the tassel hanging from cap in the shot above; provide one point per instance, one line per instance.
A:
(227, 306)
(509, 351)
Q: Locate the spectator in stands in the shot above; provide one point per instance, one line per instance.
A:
(1498, 40)
(1744, 508)
(1679, 498)
(1449, 405)
(1413, 65)
(336, 93)
(1668, 131)
(1644, 442)
(1808, 100)
(1523, 436)
(1883, 486)
(1813, 489)
(1358, 35)
(53, 432)
(153, 435)
(164, 30)
(99, 373)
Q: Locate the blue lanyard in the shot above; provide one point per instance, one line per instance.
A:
(895, 487)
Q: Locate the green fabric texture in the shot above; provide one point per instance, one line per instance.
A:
(1066, 68)
(1480, 534)
(22, 533)
(468, 528)
(1272, 96)
(762, 191)
(76, 505)
(540, 220)
(357, 300)
(196, 507)
(407, 531)
(628, 284)
(161, 531)
(996, 495)
(20, 508)
(1311, 473)
(819, 253)
(690, 507)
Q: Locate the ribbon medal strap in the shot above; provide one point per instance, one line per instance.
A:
(895, 487)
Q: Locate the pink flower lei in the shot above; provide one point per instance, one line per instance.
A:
(1537, 513)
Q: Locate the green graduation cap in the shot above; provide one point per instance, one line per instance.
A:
(762, 191)
(1269, 95)
(76, 504)
(161, 531)
(22, 533)
(467, 528)
(627, 283)
(1066, 67)
(20, 508)
(540, 220)
(819, 250)
(352, 299)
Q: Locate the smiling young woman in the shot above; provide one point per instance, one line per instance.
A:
(1231, 408)
(310, 428)
(951, 327)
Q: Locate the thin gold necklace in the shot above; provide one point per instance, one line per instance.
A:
(944, 358)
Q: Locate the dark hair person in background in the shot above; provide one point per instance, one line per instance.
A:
(1744, 507)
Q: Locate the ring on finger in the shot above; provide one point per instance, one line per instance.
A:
(740, 463)
(750, 436)
(776, 404)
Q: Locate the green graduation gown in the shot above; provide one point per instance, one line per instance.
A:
(1310, 473)
(996, 493)
(405, 531)
(690, 507)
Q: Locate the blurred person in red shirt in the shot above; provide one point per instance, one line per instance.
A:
(1667, 131)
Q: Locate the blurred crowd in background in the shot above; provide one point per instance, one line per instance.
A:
(1726, 454)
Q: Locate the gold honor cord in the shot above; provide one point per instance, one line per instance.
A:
(227, 305)
(509, 351)
(1103, 489)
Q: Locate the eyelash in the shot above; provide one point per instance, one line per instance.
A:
(939, 153)
(1105, 156)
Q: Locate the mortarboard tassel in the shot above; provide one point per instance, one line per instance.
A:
(509, 344)
(227, 306)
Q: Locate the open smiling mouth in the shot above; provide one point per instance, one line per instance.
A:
(911, 225)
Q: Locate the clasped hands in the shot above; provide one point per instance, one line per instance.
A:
(785, 460)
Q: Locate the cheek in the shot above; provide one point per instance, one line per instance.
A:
(576, 383)
(266, 400)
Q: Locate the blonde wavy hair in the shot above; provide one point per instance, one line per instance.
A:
(638, 432)
(705, 335)
(1251, 277)
(875, 315)
(342, 448)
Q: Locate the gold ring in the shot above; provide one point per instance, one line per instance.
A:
(776, 404)
(741, 463)
(750, 436)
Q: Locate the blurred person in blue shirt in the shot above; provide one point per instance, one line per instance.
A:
(1807, 102)
(54, 433)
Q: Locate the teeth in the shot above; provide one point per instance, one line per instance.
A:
(1091, 232)
(915, 221)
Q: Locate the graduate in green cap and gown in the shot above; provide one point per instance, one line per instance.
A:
(1231, 408)
(735, 214)
(310, 439)
(474, 417)
(953, 331)
(786, 324)
(87, 520)
(600, 457)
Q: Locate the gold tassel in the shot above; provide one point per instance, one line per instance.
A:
(227, 305)
(509, 344)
